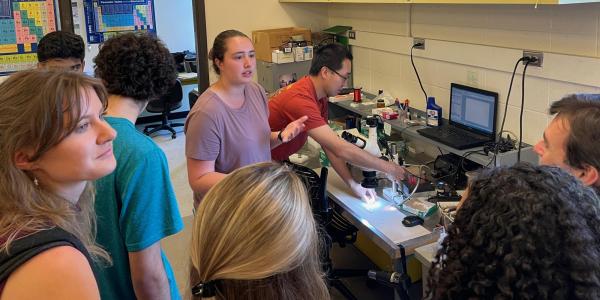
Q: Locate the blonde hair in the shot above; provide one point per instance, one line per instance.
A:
(39, 108)
(255, 236)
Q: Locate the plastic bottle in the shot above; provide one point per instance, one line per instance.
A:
(379, 100)
(434, 113)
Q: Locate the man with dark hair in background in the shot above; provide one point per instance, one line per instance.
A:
(572, 139)
(61, 50)
(330, 68)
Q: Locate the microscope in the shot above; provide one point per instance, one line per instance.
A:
(372, 145)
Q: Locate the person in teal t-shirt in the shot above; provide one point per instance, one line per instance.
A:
(136, 206)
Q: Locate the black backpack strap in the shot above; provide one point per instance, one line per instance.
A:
(29, 246)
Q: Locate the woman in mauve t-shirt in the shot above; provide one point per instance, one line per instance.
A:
(228, 126)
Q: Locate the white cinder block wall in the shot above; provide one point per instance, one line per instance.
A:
(476, 45)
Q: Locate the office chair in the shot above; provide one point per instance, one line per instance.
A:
(332, 226)
(179, 58)
(193, 96)
(165, 105)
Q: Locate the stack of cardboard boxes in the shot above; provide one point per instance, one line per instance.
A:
(283, 45)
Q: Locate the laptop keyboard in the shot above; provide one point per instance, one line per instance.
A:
(455, 133)
(454, 137)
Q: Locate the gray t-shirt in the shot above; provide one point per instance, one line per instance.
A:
(233, 138)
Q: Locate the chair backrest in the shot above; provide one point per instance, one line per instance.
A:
(169, 101)
(179, 58)
(193, 96)
(316, 186)
(334, 226)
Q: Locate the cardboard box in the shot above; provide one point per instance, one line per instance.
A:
(298, 53)
(265, 41)
(308, 53)
(279, 57)
(303, 53)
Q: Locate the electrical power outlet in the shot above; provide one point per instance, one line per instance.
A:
(473, 78)
(419, 41)
(352, 34)
(539, 57)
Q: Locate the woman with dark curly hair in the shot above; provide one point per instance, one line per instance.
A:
(136, 205)
(228, 127)
(523, 232)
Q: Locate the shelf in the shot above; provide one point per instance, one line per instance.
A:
(506, 158)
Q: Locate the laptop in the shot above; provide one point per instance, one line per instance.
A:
(472, 119)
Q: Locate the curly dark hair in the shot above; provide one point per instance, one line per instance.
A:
(136, 65)
(60, 44)
(523, 232)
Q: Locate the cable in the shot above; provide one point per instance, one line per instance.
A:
(508, 95)
(407, 197)
(459, 166)
(508, 131)
(527, 62)
(401, 193)
(440, 149)
(493, 159)
(417, 176)
(415, 68)
(462, 161)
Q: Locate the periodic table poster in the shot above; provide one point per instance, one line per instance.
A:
(106, 18)
(22, 24)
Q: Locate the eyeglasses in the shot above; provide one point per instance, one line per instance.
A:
(338, 74)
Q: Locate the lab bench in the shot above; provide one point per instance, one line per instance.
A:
(343, 108)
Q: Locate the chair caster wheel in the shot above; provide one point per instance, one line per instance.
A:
(173, 136)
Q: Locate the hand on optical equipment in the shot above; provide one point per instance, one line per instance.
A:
(367, 195)
(293, 129)
(397, 173)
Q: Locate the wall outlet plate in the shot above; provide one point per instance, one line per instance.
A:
(538, 55)
(417, 41)
(352, 34)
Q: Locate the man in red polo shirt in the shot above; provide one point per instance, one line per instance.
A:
(329, 71)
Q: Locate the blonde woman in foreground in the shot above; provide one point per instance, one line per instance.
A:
(254, 237)
(53, 142)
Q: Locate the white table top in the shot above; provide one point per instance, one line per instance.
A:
(426, 254)
(382, 221)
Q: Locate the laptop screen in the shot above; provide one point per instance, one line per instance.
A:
(472, 108)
